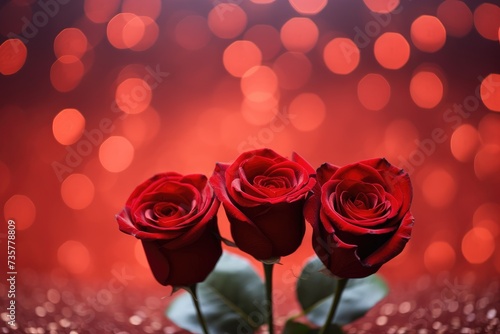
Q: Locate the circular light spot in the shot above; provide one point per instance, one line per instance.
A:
(341, 55)
(428, 33)
(66, 73)
(308, 7)
(490, 92)
(293, 70)
(150, 8)
(267, 39)
(77, 191)
(74, 256)
(133, 32)
(487, 215)
(439, 188)
(478, 245)
(70, 42)
(299, 34)
(116, 154)
(381, 6)
(426, 89)
(99, 11)
(192, 32)
(115, 30)
(68, 126)
(374, 91)
(262, 2)
(487, 162)
(13, 55)
(21, 209)
(259, 83)
(133, 95)
(149, 35)
(240, 56)
(439, 256)
(464, 142)
(391, 50)
(227, 20)
(456, 17)
(489, 128)
(307, 111)
(487, 20)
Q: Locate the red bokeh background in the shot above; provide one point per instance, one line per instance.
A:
(97, 96)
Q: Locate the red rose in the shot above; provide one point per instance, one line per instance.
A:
(175, 217)
(360, 216)
(263, 195)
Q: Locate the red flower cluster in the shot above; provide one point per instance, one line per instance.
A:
(359, 213)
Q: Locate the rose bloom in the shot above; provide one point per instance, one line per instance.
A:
(360, 216)
(263, 195)
(175, 217)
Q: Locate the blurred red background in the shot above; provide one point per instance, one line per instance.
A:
(97, 96)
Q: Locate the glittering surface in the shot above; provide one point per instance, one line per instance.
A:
(96, 96)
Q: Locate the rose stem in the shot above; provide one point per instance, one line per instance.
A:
(268, 272)
(201, 320)
(338, 294)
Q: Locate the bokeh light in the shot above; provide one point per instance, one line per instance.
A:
(77, 191)
(227, 20)
(21, 209)
(391, 50)
(118, 36)
(70, 42)
(293, 70)
(299, 34)
(439, 256)
(456, 17)
(133, 95)
(490, 92)
(66, 73)
(426, 89)
(341, 55)
(478, 245)
(259, 83)
(116, 154)
(428, 33)
(487, 20)
(74, 256)
(267, 39)
(68, 126)
(374, 91)
(240, 56)
(439, 188)
(487, 161)
(308, 7)
(381, 6)
(150, 8)
(99, 11)
(464, 142)
(13, 55)
(148, 37)
(307, 111)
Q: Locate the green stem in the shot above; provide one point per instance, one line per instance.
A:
(201, 320)
(336, 300)
(268, 272)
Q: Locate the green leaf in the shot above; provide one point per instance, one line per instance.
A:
(292, 327)
(232, 300)
(315, 292)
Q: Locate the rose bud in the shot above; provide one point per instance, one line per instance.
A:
(263, 195)
(360, 216)
(175, 217)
